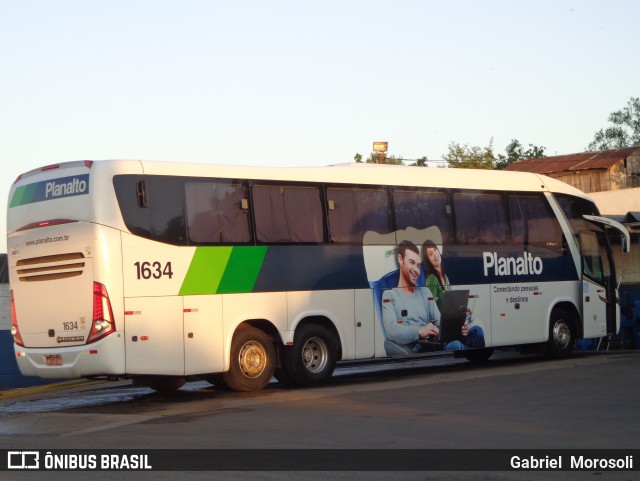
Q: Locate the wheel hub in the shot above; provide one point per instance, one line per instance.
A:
(561, 334)
(252, 359)
(314, 355)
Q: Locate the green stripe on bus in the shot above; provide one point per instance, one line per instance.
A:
(23, 195)
(242, 270)
(206, 270)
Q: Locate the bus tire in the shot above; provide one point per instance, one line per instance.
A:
(312, 358)
(253, 360)
(478, 356)
(562, 334)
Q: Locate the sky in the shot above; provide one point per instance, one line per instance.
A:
(298, 83)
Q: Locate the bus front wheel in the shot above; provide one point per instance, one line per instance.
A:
(312, 358)
(253, 360)
(562, 334)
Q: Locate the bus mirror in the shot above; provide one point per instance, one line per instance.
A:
(625, 238)
(626, 248)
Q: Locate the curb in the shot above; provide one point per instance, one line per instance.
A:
(25, 391)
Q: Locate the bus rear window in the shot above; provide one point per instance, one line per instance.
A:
(152, 206)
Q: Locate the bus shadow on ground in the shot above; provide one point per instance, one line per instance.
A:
(127, 398)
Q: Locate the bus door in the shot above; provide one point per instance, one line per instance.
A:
(598, 285)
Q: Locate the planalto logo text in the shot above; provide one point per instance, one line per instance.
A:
(75, 186)
(511, 266)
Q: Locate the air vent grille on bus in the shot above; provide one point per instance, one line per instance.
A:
(48, 268)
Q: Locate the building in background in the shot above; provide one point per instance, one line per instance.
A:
(603, 171)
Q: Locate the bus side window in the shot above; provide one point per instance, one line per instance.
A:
(480, 218)
(574, 208)
(216, 212)
(422, 208)
(287, 213)
(355, 211)
(533, 222)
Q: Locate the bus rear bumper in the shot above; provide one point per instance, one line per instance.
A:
(103, 358)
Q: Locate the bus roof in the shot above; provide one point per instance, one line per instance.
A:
(374, 174)
(348, 173)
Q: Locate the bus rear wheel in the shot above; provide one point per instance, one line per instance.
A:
(312, 358)
(562, 334)
(253, 360)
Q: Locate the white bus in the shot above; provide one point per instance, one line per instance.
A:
(160, 272)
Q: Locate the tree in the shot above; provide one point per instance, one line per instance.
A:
(374, 158)
(625, 131)
(421, 162)
(392, 160)
(465, 157)
(515, 151)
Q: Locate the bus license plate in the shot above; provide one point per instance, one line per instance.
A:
(53, 360)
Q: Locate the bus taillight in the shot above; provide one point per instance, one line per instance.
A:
(103, 323)
(15, 332)
(46, 223)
